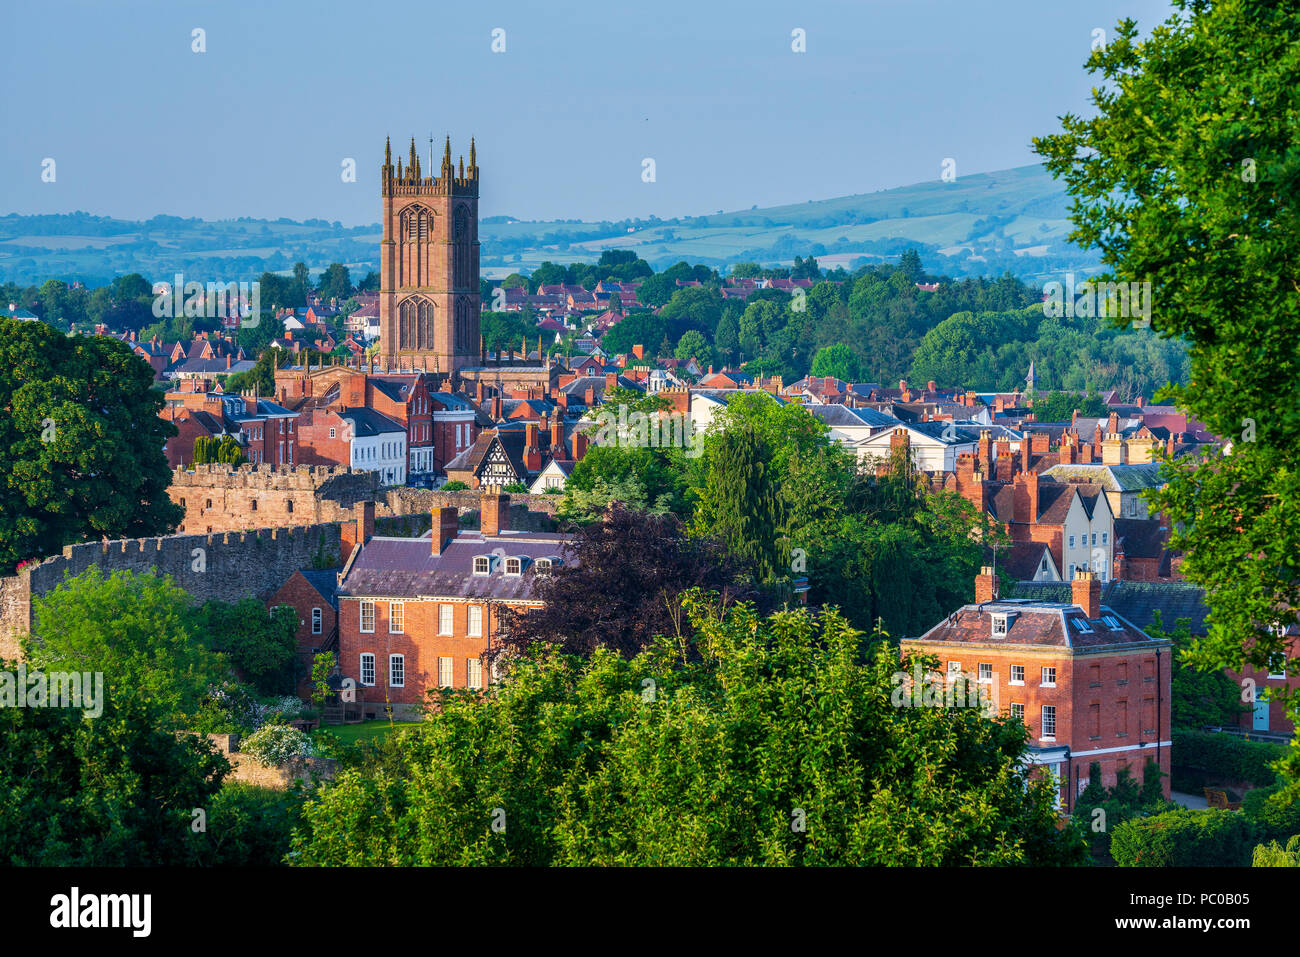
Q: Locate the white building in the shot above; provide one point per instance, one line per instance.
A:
(378, 444)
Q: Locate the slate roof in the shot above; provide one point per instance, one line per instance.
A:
(325, 581)
(1136, 601)
(836, 415)
(407, 567)
(1113, 478)
(367, 423)
(1023, 559)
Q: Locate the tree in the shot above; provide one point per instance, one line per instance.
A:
(334, 282)
(81, 443)
(620, 585)
(259, 645)
(838, 361)
(116, 791)
(727, 337)
(692, 344)
(1061, 406)
(752, 740)
(740, 503)
(136, 629)
(1206, 212)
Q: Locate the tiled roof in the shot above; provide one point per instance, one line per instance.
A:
(407, 567)
(325, 581)
(1036, 624)
(367, 423)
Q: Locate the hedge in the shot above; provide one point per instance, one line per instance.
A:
(1185, 838)
(1204, 757)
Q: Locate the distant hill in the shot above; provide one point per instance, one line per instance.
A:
(987, 223)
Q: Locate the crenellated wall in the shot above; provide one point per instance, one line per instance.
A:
(227, 566)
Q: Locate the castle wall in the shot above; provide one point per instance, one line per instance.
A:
(224, 567)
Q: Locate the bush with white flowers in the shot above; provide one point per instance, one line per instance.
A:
(277, 743)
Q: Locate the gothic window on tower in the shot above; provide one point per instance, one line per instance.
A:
(415, 324)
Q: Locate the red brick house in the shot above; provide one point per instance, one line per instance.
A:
(1089, 684)
(420, 613)
(313, 594)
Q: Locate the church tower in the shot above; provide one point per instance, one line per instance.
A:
(428, 264)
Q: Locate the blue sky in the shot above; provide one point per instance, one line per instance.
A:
(259, 125)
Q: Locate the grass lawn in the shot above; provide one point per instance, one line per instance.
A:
(366, 731)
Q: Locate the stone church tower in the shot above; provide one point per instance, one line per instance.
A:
(428, 272)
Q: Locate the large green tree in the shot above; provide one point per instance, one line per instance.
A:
(1188, 177)
(81, 443)
(753, 740)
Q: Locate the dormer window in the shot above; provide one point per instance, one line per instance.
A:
(514, 566)
(1112, 623)
(1081, 625)
(999, 626)
(482, 565)
(542, 566)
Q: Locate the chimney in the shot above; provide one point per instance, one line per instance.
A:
(227, 360)
(638, 351)
(446, 523)
(532, 448)
(494, 511)
(986, 585)
(1068, 449)
(590, 396)
(986, 451)
(557, 439)
(579, 445)
(496, 408)
(929, 386)
(1112, 423)
(611, 381)
(1031, 487)
(1085, 591)
(1025, 446)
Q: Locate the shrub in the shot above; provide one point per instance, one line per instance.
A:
(1201, 757)
(277, 743)
(1184, 838)
(1274, 813)
(455, 485)
(1274, 855)
(248, 826)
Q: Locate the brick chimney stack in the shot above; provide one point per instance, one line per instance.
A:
(611, 381)
(532, 447)
(986, 452)
(579, 445)
(1085, 591)
(1025, 446)
(496, 408)
(494, 511)
(557, 439)
(986, 585)
(638, 351)
(446, 523)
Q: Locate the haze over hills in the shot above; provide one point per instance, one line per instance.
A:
(982, 224)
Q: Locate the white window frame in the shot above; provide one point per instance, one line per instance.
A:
(1017, 710)
(1014, 680)
(514, 566)
(367, 663)
(483, 565)
(999, 626)
(474, 625)
(397, 671)
(446, 620)
(445, 671)
(954, 670)
(1044, 681)
(396, 618)
(317, 621)
(474, 673)
(985, 672)
(1049, 712)
(367, 605)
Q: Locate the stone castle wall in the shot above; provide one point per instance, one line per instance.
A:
(225, 567)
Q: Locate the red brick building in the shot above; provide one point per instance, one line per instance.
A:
(313, 594)
(1089, 684)
(420, 613)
